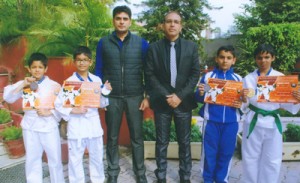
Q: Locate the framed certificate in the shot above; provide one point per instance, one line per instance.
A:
(77, 93)
(277, 89)
(222, 92)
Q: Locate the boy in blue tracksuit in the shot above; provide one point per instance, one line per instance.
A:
(221, 122)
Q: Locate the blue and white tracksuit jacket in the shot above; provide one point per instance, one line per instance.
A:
(220, 131)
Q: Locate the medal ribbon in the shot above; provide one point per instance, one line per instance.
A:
(81, 79)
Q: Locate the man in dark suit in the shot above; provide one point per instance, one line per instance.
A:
(172, 93)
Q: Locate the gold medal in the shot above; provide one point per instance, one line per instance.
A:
(251, 93)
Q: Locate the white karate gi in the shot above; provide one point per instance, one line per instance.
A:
(262, 151)
(84, 131)
(39, 134)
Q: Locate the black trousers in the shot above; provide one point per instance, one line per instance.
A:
(134, 116)
(182, 122)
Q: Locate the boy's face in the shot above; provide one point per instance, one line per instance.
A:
(121, 22)
(225, 60)
(82, 63)
(37, 69)
(264, 61)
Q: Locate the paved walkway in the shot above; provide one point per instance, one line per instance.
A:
(290, 171)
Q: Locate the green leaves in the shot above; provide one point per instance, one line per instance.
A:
(150, 132)
(4, 116)
(11, 133)
(284, 37)
(292, 134)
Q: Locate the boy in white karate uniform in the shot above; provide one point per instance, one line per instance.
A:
(84, 126)
(40, 125)
(262, 142)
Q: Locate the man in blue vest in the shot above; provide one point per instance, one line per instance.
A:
(120, 60)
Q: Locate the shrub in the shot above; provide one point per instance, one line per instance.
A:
(292, 133)
(11, 133)
(150, 134)
(5, 116)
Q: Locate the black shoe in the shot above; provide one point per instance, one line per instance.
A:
(161, 181)
(112, 179)
(184, 181)
(141, 179)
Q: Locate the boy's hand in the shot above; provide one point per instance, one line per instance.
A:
(44, 112)
(79, 110)
(201, 89)
(296, 94)
(107, 85)
(237, 104)
(244, 95)
(28, 80)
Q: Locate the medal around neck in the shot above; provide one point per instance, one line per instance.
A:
(104, 90)
(33, 86)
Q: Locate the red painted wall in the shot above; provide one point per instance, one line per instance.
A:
(59, 68)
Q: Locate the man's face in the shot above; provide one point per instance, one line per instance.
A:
(122, 22)
(172, 26)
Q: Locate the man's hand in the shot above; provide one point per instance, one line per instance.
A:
(173, 100)
(144, 104)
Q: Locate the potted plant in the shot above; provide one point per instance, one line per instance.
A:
(5, 119)
(13, 142)
(150, 136)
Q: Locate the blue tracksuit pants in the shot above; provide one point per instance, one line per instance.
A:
(219, 145)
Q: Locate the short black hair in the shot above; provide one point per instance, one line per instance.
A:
(82, 50)
(227, 48)
(38, 57)
(120, 9)
(264, 48)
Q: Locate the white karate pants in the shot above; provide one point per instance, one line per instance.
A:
(37, 142)
(76, 151)
(262, 155)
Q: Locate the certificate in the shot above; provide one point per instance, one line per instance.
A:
(39, 99)
(77, 93)
(277, 89)
(223, 92)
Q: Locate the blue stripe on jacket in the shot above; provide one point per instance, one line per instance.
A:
(218, 113)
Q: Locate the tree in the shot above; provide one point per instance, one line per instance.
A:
(55, 27)
(262, 12)
(194, 19)
(285, 38)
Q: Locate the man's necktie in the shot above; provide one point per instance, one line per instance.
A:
(173, 66)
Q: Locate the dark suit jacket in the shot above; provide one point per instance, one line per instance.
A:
(158, 75)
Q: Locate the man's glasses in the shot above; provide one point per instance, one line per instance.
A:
(83, 61)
